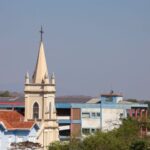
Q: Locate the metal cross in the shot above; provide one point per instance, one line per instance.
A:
(41, 31)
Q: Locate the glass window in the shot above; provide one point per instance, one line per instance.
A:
(86, 131)
(109, 99)
(121, 115)
(85, 115)
(93, 130)
(93, 114)
(98, 114)
(35, 110)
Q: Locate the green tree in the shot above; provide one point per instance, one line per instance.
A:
(138, 145)
(5, 94)
(58, 146)
(124, 138)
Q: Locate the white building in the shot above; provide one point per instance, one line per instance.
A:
(104, 113)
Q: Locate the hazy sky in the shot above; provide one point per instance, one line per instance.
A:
(93, 46)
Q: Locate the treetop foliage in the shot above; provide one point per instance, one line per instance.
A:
(126, 137)
(5, 94)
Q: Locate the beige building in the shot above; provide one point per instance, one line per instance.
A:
(40, 100)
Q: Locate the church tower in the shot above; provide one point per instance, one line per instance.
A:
(40, 100)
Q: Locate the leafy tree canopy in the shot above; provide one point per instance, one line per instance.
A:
(5, 94)
(124, 138)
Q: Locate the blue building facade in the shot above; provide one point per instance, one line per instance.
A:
(7, 137)
(14, 130)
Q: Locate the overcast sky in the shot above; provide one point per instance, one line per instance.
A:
(93, 46)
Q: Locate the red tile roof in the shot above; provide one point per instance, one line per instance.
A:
(13, 120)
(13, 104)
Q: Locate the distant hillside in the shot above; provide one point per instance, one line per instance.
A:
(9, 94)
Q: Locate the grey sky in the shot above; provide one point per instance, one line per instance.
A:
(93, 46)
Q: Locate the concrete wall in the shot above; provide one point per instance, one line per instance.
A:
(93, 121)
(111, 118)
(101, 118)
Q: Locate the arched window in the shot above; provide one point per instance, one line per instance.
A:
(35, 110)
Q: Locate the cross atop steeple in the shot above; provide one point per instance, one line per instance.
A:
(41, 31)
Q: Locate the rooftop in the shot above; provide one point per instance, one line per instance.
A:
(73, 99)
(12, 120)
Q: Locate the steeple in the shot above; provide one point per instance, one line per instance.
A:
(40, 100)
(41, 65)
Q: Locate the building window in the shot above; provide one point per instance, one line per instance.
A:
(98, 114)
(121, 116)
(85, 115)
(93, 115)
(35, 110)
(109, 99)
(86, 131)
(93, 130)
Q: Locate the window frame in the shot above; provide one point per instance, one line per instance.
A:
(36, 110)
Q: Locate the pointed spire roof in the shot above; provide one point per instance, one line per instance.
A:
(27, 75)
(53, 76)
(41, 65)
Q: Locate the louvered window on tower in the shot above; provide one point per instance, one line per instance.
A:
(35, 111)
